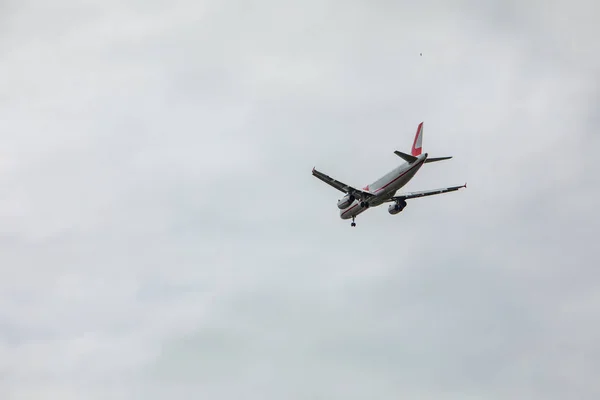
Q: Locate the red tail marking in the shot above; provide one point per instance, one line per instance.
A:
(416, 151)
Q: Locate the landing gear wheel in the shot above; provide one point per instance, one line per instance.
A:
(353, 224)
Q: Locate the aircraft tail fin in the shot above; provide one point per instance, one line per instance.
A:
(417, 148)
(418, 142)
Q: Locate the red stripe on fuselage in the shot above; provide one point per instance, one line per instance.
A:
(350, 209)
(383, 187)
(404, 173)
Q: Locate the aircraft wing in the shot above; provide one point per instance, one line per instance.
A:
(342, 187)
(412, 195)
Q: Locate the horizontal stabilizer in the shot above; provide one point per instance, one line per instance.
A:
(434, 159)
(406, 157)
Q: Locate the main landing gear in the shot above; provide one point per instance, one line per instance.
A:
(363, 204)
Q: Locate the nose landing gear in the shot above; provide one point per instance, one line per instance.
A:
(353, 224)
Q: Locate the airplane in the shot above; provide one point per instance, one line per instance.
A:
(384, 189)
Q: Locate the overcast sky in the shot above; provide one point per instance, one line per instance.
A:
(161, 236)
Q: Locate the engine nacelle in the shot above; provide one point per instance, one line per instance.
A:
(396, 207)
(345, 201)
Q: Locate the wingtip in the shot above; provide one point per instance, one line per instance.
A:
(465, 185)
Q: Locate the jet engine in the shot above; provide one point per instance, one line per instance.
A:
(396, 207)
(345, 201)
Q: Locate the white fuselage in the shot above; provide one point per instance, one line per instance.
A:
(385, 187)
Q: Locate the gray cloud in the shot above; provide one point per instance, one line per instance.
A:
(162, 235)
